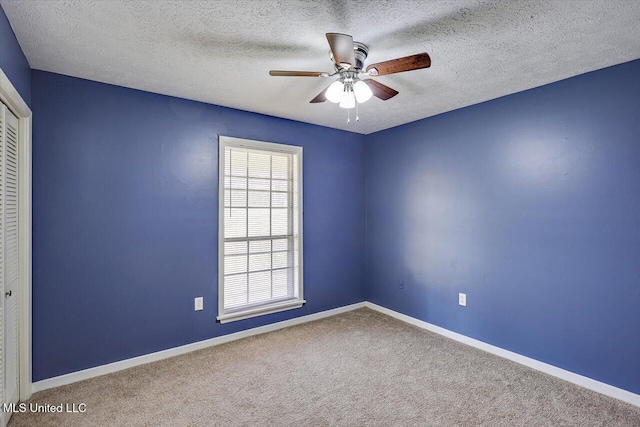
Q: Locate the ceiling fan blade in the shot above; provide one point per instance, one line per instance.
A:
(298, 73)
(342, 48)
(408, 63)
(321, 97)
(379, 90)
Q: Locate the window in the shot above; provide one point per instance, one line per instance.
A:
(260, 228)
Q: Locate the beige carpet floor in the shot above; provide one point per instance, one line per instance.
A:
(355, 369)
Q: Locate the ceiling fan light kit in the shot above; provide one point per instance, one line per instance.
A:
(344, 90)
(348, 60)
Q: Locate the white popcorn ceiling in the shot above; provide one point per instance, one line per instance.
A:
(221, 52)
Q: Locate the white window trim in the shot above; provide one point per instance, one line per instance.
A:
(274, 307)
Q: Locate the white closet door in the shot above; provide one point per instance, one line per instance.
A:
(9, 252)
(3, 111)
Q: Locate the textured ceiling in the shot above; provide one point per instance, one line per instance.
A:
(220, 52)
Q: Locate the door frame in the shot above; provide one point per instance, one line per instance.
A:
(12, 99)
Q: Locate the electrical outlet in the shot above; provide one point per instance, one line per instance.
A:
(462, 299)
(198, 304)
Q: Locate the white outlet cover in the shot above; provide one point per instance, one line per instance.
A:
(198, 303)
(462, 299)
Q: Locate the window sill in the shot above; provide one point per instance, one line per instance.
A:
(260, 311)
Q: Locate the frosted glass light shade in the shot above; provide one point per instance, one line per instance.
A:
(362, 91)
(335, 91)
(348, 100)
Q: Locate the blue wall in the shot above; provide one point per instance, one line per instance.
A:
(125, 220)
(529, 204)
(12, 60)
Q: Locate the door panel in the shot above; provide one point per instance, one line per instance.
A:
(9, 253)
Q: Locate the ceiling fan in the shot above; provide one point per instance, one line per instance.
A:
(351, 88)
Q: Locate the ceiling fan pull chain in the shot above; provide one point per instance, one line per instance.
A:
(357, 114)
(348, 115)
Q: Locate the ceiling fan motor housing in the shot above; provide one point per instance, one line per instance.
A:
(360, 51)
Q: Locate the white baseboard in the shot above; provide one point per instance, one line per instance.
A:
(580, 380)
(563, 374)
(152, 357)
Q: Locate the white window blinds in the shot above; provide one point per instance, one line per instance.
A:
(260, 223)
